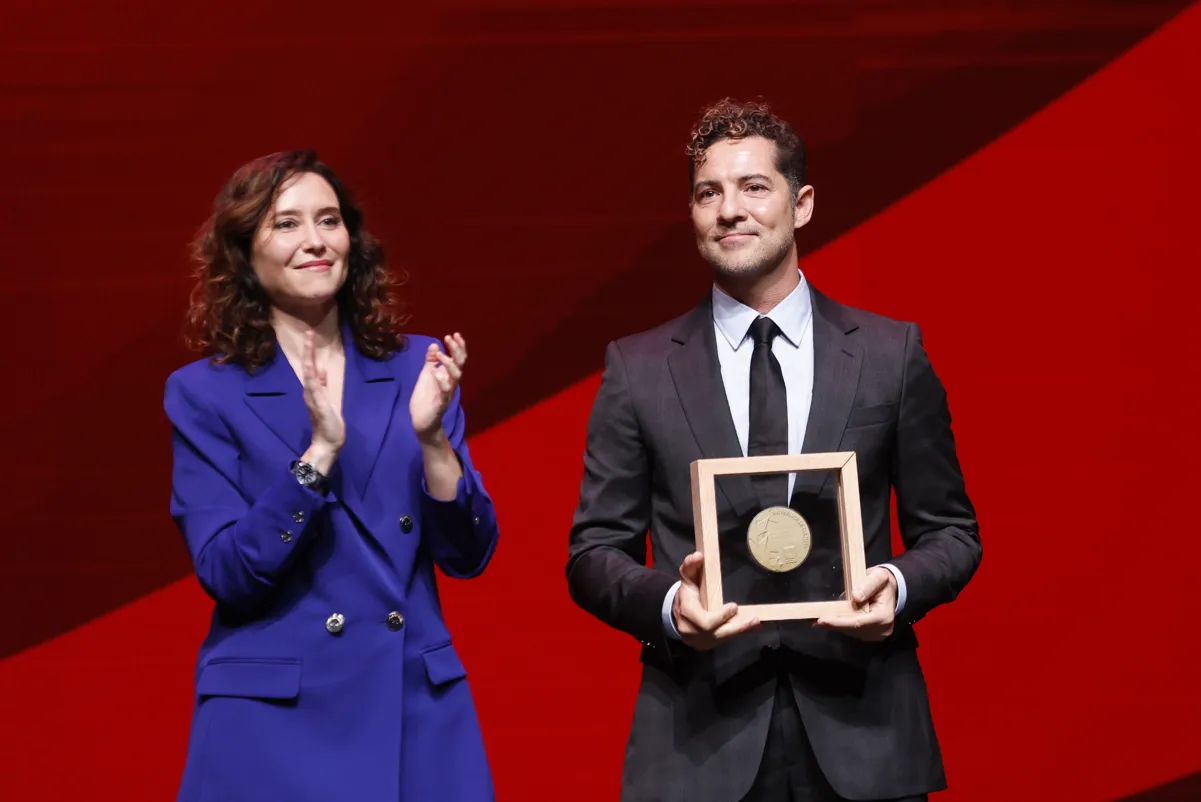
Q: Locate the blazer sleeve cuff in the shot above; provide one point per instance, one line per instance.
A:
(282, 515)
(462, 531)
(466, 489)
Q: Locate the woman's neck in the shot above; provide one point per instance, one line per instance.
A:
(291, 330)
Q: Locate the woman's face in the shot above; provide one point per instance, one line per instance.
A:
(301, 248)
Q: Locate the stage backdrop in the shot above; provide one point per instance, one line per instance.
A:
(1019, 177)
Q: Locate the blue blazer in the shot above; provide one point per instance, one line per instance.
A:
(328, 672)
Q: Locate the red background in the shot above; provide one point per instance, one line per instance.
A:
(1019, 178)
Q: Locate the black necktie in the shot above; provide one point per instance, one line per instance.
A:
(768, 413)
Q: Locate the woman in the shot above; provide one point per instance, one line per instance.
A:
(320, 473)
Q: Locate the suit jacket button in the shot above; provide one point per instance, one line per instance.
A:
(334, 623)
(406, 523)
(395, 620)
(286, 537)
(298, 517)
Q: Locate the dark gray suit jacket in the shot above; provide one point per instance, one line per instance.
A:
(701, 718)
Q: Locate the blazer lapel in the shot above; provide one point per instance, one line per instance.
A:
(275, 395)
(836, 362)
(369, 391)
(369, 395)
(696, 373)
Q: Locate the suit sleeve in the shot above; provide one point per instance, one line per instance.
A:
(607, 573)
(461, 533)
(936, 518)
(240, 548)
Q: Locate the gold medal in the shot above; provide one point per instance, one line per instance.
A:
(779, 539)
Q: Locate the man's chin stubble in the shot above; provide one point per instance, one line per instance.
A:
(739, 269)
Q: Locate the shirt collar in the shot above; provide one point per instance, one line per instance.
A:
(734, 318)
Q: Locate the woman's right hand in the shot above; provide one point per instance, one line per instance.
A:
(329, 430)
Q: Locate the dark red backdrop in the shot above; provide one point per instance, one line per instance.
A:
(1019, 178)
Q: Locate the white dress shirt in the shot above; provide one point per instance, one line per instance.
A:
(794, 351)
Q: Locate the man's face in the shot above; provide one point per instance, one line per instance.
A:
(743, 211)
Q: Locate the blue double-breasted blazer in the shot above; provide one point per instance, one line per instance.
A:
(328, 672)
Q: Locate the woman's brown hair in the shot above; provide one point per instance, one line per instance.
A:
(229, 315)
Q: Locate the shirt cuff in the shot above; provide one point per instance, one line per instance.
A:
(901, 591)
(668, 602)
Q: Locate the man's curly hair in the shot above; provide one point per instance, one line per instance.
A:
(730, 119)
(229, 318)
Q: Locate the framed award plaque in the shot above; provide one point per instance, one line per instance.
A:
(800, 560)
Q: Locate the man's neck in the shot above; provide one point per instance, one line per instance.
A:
(762, 293)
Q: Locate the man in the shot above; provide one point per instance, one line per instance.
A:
(731, 708)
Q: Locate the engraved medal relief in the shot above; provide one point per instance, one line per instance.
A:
(779, 539)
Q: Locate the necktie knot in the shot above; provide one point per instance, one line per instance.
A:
(764, 330)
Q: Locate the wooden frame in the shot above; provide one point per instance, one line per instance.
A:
(850, 521)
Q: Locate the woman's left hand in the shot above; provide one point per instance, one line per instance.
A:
(436, 384)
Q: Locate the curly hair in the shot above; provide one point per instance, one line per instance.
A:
(730, 119)
(229, 316)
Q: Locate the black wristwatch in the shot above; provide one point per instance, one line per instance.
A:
(309, 476)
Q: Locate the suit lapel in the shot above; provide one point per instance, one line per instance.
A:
(369, 396)
(274, 394)
(369, 390)
(696, 373)
(836, 362)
